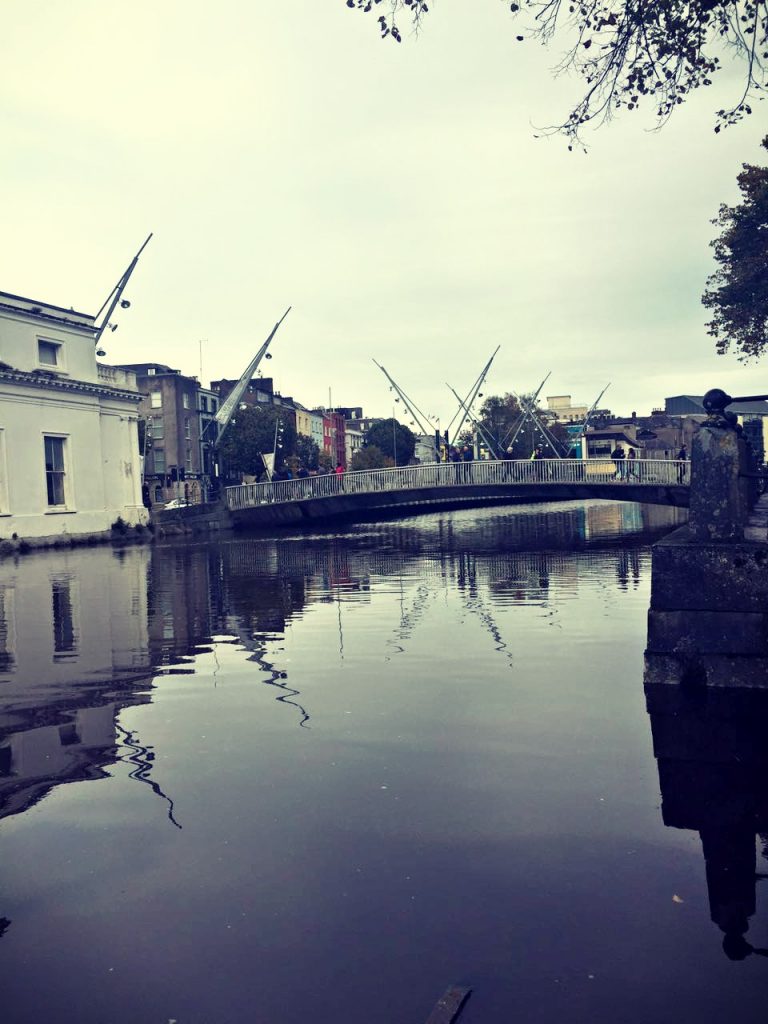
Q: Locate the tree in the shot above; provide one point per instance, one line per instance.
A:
(306, 451)
(370, 457)
(631, 51)
(498, 416)
(737, 292)
(251, 433)
(393, 439)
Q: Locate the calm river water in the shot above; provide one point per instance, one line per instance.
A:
(322, 778)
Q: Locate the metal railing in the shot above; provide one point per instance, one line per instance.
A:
(447, 474)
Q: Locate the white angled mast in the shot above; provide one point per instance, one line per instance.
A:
(232, 401)
(466, 404)
(419, 417)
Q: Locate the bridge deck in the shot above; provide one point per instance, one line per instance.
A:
(425, 487)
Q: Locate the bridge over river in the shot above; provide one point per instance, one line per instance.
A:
(407, 490)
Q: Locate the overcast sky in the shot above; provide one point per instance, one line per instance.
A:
(394, 196)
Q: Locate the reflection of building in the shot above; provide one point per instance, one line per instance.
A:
(69, 458)
(73, 648)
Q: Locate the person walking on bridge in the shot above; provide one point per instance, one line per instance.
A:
(618, 460)
(682, 458)
(454, 456)
(467, 456)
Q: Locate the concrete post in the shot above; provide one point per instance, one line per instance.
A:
(719, 501)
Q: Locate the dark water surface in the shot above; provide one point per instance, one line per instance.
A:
(323, 778)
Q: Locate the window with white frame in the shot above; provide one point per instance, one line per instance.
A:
(185, 400)
(158, 429)
(55, 470)
(188, 461)
(159, 456)
(155, 399)
(187, 428)
(50, 354)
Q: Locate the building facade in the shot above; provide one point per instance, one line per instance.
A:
(170, 413)
(69, 454)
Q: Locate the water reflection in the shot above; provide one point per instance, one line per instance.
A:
(712, 754)
(84, 634)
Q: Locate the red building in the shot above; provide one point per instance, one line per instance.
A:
(334, 441)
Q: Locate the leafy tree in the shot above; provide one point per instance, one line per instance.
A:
(306, 451)
(251, 433)
(393, 439)
(498, 416)
(737, 293)
(631, 51)
(501, 415)
(370, 457)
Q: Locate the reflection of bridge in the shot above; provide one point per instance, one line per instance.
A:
(373, 493)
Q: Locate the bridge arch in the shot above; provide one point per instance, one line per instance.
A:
(381, 493)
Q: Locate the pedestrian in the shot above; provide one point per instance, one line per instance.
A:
(467, 456)
(618, 457)
(631, 456)
(508, 458)
(682, 458)
(454, 457)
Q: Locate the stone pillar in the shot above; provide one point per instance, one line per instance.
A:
(719, 502)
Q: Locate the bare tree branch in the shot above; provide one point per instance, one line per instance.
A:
(631, 51)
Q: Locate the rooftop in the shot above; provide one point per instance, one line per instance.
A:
(46, 311)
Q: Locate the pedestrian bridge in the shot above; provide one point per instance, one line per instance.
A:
(409, 490)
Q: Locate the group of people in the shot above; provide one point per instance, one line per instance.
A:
(301, 473)
(625, 462)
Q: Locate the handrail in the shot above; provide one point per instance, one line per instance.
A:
(663, 472)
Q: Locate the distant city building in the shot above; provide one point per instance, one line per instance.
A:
(353, 412)
(69, 456)
(171, 414)
(753, 416)
(259, 390)
(207, 407)
(353, 441)
(559, 407)
(601, 441)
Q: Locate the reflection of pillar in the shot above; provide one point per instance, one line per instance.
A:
(729, 855)
(711, 748)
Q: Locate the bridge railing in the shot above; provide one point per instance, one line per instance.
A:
(448, 474)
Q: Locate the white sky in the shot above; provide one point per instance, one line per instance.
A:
(395, 196)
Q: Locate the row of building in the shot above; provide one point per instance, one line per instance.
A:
(71, 458)
(658, 436)
(177, 416)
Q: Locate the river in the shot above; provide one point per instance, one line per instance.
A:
(323, 777)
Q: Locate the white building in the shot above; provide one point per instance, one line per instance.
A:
(353, 441)
(69, 457)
